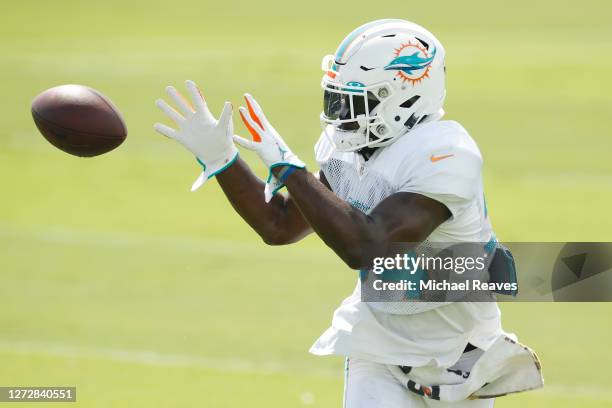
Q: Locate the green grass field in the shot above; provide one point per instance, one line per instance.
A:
(118, 280)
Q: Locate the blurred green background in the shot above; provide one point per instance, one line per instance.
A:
(118, 280)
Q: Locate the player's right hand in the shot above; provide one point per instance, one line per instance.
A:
(209, 139)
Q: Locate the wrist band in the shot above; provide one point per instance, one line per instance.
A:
(285, 173)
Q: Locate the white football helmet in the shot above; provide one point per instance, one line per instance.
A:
(386, 77)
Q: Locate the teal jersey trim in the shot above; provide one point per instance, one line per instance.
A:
(491, 245)
(417, 276)
(398, 275)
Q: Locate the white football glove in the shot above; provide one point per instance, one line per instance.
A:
(208, 139)
(267, 143)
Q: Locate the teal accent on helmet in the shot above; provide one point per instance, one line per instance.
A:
(353, 84)
(354, 34)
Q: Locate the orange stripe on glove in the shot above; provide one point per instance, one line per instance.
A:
(256, 136)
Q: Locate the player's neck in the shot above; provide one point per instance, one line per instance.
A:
(367, 152)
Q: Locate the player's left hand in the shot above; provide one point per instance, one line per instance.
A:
(209, 139)
(267, 143)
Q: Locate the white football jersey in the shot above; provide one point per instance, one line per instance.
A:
(440, 160)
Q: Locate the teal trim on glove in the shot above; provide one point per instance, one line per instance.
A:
(275, 165)
(221, 170)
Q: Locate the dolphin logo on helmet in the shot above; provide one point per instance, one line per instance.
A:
(409, 63)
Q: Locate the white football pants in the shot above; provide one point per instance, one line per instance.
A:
(371, 385)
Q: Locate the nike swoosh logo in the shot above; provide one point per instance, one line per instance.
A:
(438, 158)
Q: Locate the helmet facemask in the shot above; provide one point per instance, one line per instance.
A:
(350, 114)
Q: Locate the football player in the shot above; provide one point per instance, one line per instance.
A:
(390, 171)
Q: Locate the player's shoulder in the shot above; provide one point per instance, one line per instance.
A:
(435, 158)
(417, 151)
(323, 149)
(433, 140)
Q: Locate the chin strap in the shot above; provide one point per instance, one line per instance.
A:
(367, 152)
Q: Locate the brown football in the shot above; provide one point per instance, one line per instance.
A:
(78, 120)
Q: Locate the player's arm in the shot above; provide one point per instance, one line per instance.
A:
(210, 140)
(278, 222)
(357, 237)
